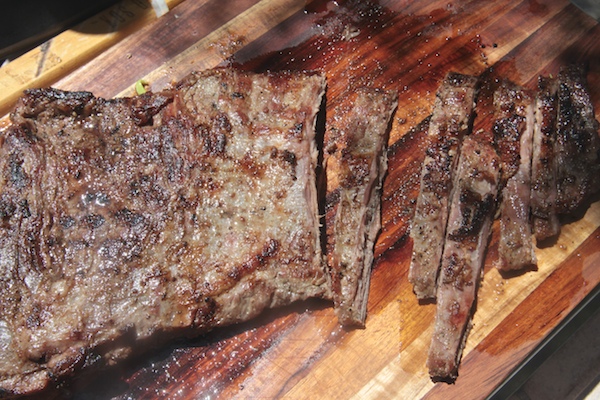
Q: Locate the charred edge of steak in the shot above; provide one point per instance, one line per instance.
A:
(138, 220)
(355, 163)
(469, 225)
(452, 118)
(513, 131)
(474, 210)
(543, 167)
(512, 105)
(43, 104)
(577, 145)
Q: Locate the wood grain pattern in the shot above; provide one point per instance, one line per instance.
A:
(300, 351)
(60, 55)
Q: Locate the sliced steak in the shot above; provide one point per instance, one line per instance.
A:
(469, 225)
(355, 162)
(451, 119)
(513, 131)
(577, 143)
(543, 166)
(126, 222)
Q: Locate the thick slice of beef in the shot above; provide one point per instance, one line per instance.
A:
(513, 131)
(544, 221)
(355, 162)
(452, 117)
(469, 225)
(127, 222)
(577, 142)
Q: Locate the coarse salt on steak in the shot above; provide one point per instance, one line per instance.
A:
(469, 225)
(545, 222)
(355, 162)
(129, 221)
(513, 129)
(577, 145)
(452, 116)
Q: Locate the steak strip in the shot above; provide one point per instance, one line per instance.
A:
(469, 225)
(451, 119)
(355, 162)
(577, 142)
(131, 221)
(513, 130)
(543, 167)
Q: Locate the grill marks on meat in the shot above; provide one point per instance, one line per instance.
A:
(452, 115)
(545, 221)
(355, 163)
(138, 219)
(513, 130)
(577, 143)
(469, 226)
(541, 160)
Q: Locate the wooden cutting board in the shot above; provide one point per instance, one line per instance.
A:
(300, 351)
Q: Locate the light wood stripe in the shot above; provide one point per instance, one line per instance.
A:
(59, 56)
(220, 44)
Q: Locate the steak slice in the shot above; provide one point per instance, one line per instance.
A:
(545, 221)
(577, 143)
(469, 226)
(127, 222)
(355, 162)
(513, 131)
(452, 117)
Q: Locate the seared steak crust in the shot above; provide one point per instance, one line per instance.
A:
(577, 142)
(136, 219)
(469, 225)
(545, 161)
(355, 162)
(452, 115)
(543, 165)
(513, 130)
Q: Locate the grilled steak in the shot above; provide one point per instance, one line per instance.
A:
(129, 221)
(355, 162)
(451, 119)
(545, 221)
(469, 225)
(577, 143)
(544, 162)
(513, 130)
